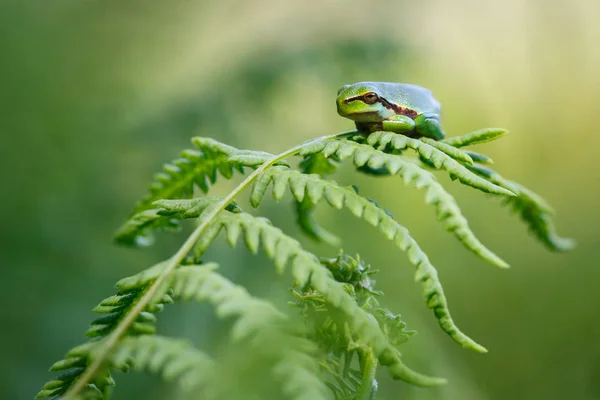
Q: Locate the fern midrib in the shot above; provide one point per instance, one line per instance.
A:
(173, 263)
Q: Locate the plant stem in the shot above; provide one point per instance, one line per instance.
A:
(368, 387)
(113, 339)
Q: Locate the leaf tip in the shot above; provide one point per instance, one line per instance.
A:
(562, 245)
(473, 345)
(498, 262)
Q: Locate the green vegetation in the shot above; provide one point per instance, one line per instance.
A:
(95, 95)
(343, 335)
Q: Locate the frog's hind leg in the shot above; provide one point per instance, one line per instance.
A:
(429, 125)
(398, 124)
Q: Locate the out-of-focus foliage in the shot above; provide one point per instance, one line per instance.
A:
(93, 93)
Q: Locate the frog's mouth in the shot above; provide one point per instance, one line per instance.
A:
(363, 116)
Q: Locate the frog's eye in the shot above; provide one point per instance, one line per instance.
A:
(370, 97)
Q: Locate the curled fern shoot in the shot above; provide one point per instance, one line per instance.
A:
(332, 334)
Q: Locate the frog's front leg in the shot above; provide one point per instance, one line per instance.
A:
(398, 124)
(428, 125)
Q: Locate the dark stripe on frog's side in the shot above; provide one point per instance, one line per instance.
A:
(390, 106)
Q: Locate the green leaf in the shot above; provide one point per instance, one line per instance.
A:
(261, 324)
(532, 209)
(437, 158)
(308, 224)
(284, 250)
(321, 165)
(173, 359)
(448, 211)
(392, 230)
(198, 167)
(195, 167)
(252, 158)
(166, 215)
(479, 158)
(453, 152)
(476, 137)
(137, 230)
(112, 309)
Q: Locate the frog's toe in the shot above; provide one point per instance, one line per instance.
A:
(429, 126)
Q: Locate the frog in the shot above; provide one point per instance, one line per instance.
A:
(393, 107)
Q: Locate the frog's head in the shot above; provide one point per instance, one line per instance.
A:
(362, 102)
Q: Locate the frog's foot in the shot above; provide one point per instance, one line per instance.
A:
(368, 127)
(398, 124)
(428, 125)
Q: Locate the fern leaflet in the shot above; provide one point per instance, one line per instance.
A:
(196, 167)
(113, 310)
(260, 323)
(437, 158)
(476, 137)
(315, 164)
(173, 359)
(532, 209)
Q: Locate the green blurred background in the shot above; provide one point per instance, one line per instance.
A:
(95, 95)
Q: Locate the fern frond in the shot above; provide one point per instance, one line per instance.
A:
(456, 153)
(476, 137)
(479, 158)
(71, 368)
(252, 158)
(532, 209)
(140, 228)
(261, 324)
(284, 250)
(315, 188)
(198, 167)
(315, 164)
(346, 380)
(113, 310)
(195, 167)
(345, 317)
(436, 158)
(448, 211)
(171, 358)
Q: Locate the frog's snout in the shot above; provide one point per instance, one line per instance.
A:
(339, 102)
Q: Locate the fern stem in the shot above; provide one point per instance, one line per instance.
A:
(368, 385)
(121, 329)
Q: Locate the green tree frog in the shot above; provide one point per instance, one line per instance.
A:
(395, 107)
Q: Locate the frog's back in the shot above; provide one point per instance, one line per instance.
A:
(410, 96)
